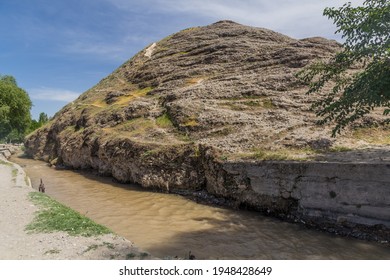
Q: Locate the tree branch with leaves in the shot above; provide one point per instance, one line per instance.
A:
(359, 75)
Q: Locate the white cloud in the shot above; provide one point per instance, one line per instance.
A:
(53, 94)
(297, 18)
(300, 18)
(135, 24)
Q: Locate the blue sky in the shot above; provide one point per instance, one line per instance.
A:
(57, 49)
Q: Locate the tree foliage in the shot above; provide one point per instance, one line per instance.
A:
(15, 106)
(359, 75)
(43, 119)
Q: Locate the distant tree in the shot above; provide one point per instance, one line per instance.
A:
(33, 126)
(43, 118)
(366, 51)
(15, 106)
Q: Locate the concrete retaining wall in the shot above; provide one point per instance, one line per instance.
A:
(339, 192)
(6, 150)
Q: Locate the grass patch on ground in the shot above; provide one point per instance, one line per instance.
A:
(94, 247)
(99, 104)
(304, 154)
(133, 95)
(245, 104)
(164, 121)
(133, 128)
(54, 216)
(52, 251)
(270, 155)
(14, 174)
(190, 121)
(373, 135)
(340, 149)
(5, 163)
(267, 103)
(130, 256)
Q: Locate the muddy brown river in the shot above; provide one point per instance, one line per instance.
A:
(168, 225)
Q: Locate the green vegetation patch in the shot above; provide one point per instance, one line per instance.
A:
(190, 121)
(270, 155)
(304, 154)
(136, 126)
(5, 163)
(337, 149)
(52, 251)
(267, 103)
(164, 121)
(373, 135)
(94, 247)
(14, 173)
(150, 153)
(238, 104)
(190, 29)
(130, 256)
(54, 216)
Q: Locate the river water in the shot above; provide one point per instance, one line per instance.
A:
(168, 225)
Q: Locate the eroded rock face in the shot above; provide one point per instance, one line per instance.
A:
(170, 116)
(226, 85)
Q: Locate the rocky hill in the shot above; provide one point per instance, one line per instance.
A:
(169, 115)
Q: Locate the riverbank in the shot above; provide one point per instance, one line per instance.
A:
(18, 211)
(168, 225)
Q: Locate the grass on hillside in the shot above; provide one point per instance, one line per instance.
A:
(249, 103)
(133, 95)
(373, 135)
(54, 216)
(164, 121)
(340, 149)
(304, 154)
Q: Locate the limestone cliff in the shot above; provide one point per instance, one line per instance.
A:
(173, 114)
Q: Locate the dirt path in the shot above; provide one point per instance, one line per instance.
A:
(17, 211)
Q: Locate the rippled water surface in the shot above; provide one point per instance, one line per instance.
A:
(168, 225)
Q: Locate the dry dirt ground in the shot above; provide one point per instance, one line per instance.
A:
(17, 211)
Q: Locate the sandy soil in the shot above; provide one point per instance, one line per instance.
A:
(17, 211)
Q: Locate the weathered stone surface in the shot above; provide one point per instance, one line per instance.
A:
(188, 112)
(358, 192)
(6, 150)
